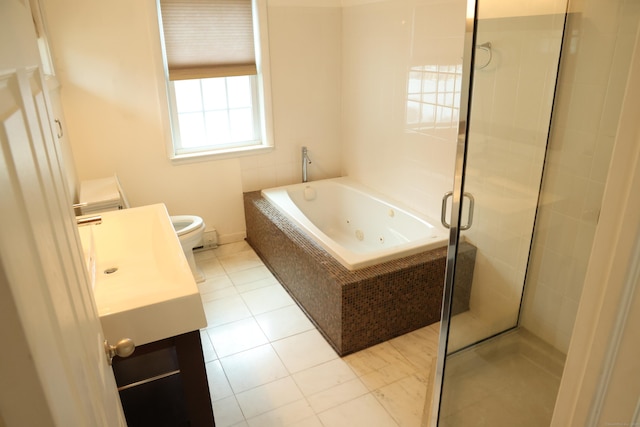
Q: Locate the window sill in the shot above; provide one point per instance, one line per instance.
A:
(204, 156)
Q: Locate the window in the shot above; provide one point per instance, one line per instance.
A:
(217, 75)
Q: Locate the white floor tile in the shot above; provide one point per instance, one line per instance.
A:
(225, 310)
(214, 283)
(231, 248)
(219, 294)
(211, 267)
(404, 399)
(260, 283)
(207, 347)
(253, 368)
(420, 347)
(364, 411)
(267, 299)
(237, 336)
(337, 395)
(204, 256)
(375, 358)
(284, 416)
(304, 350)
(284, 322)
(240, 261)
(216, 288)
(323, 376)
(313, 421)
(250, 275)
(219, 387)
(226, 412)
(268, 397)
(388, 374)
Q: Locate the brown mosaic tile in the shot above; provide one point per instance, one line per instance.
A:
(354, 309)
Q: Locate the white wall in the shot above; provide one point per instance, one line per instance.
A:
(305, 43)
(598, 386)
(382, 41)
(512, 8)
(593, 76)
(108, 61)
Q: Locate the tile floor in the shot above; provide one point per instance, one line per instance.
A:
(511, 380)
(268, 366)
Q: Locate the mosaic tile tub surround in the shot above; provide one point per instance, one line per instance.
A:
(354, 309)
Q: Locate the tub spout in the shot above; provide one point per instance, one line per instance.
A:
(305, 161)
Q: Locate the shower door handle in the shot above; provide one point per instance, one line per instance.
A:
(472, 203)
(443, 212)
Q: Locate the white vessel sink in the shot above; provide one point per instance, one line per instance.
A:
(142, 284)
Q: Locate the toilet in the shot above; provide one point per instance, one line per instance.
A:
(105, 194)
(190, 229)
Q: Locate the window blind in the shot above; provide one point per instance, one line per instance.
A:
(208, 38)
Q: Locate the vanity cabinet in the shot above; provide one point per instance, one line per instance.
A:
(144, 291)
(164, 383)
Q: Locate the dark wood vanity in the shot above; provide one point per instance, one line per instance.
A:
(164, 383)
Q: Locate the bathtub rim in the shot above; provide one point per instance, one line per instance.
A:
(279, 198)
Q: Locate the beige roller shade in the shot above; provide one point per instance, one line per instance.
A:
(208, 38)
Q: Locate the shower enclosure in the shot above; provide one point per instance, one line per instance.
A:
(515, 63)
(537, 184)
(402, 81)
(511, 62)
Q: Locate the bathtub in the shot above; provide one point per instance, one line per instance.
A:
(362, 269)
(357, 226)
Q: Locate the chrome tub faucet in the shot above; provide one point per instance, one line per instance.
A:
(305, 161)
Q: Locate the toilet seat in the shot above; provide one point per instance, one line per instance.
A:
(184, 224)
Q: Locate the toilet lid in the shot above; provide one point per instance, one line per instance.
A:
(184, 224)
(97, 195)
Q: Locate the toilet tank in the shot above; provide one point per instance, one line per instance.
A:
(101, 195)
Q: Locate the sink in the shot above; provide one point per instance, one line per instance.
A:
(142, 283)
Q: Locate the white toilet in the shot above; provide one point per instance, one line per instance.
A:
(105, 194)
(190, 229)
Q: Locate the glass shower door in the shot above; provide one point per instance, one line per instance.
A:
(511, 61)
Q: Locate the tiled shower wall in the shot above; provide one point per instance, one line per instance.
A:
(510, 112)
(400, 83)
(599, 40)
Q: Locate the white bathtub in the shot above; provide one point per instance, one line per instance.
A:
(355, 225)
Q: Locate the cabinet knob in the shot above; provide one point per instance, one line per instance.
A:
(123, 348)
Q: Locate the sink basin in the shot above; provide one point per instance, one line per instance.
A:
(142, 283)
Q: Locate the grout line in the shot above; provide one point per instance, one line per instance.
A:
(290, 374)
(406, 357)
